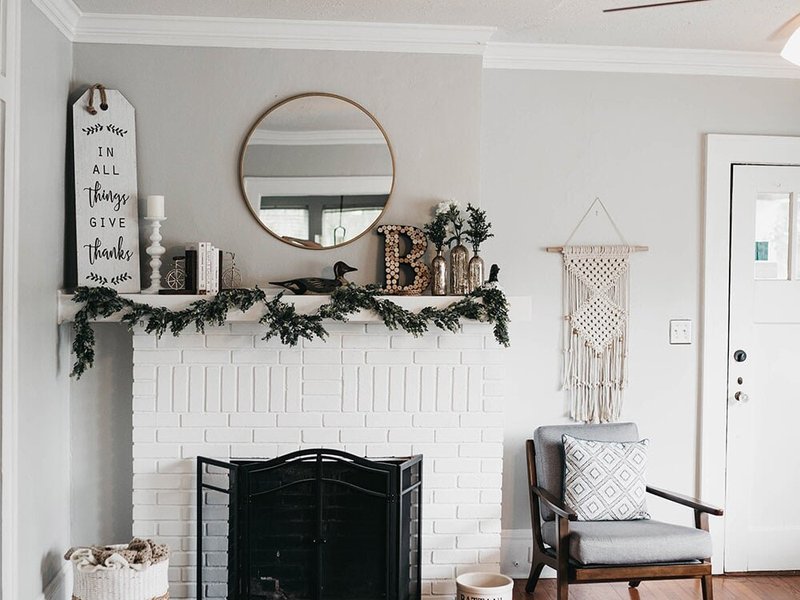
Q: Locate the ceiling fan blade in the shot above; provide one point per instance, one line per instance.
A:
(787, 29)
(652, 5)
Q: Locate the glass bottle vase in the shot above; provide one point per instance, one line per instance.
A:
(439, 274)
(459, 279)
(475, 270)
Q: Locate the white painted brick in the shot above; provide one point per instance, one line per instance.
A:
(293, 382)
(436, 420)
(175, 466)
(357, 449)
(343, 420)
(380, 389)
(290, 357)
(180, 435)
(156, 357)
(492, 435)
(386, 420)
(439, 542)
(206, 357)
(261, 388)
(493, 405)
(480, 480)
(254, 450)
(456, 465)
(389, 357)
(157, 513)
(281, 435)
(176, 499)
(228, 435)
(458, 435)
(321, 388)
(204, 420)
(322, 373)
(144, 372)
(260, 356)
(213, 389)
(277, 388)
(437, 357)
(494, 388)
(455, 556)
(145, 465)
(440, 511)
(287, 448)
(460, 341)
(144, 419)
(428, 389)
(474, 327)
(349, 389)
(484, 450)
(300, 420)
(494, 372)
(365, 342)
(384, 450)
(410, 435)
(444, 389)
(180, 389)
(479, 511)
(397, 377)
(145, 529)
(320, 436)
(492, 496)
(455, 526)
(144, 404)
(353, 357)
(492, 465)
(443, 588)
(489, 557)
(274, 342)
(321, 403)
(184, 340)
(156, 451)
(409, 342)
(206, 449)
(168, 420)
(197, 388)
(365, 386)
(244, 381)
(380, 328)
(252, 420)
(163, 389)
(483, 421)
(460, 389)
(176, 528)
(229, 391)
(144, 342)
(363, 435)
(333, 340)
(412, 388)
(438, 572)
(483, 357)
(145, 435)
(322, 357)
(490, 525)
(254, 329)
(144, 388)
(457, 496)
(145, 497)
(435, 450)
(229, 341)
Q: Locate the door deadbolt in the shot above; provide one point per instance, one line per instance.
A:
(740, 356)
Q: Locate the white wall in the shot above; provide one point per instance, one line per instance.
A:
(44, 442)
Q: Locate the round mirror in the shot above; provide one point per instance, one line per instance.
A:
(317, 170)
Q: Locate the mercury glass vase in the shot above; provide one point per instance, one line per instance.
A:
(459, 279)
(439, 275)
(475, 275)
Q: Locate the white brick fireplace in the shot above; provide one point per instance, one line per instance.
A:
(366, 390)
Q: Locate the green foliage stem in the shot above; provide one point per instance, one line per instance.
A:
(486, 304)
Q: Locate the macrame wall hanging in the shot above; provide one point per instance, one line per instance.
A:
(596, 309)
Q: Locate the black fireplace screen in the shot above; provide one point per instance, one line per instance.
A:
(310, 525)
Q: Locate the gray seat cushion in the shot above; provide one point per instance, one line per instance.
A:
(631, 542)
(550, 451)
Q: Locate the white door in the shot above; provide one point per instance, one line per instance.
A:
(762, 526)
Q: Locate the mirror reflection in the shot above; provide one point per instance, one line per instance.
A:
(317, 171)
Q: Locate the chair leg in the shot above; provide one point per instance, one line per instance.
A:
(562, 584)
(533, 578)
(634, 583)
(707, 585)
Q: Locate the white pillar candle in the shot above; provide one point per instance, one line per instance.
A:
(155, 207)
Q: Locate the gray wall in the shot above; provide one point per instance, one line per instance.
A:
(538, 146)
(43, 411)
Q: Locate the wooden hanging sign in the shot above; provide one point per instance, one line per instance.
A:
(106, 198)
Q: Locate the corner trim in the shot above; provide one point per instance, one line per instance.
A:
(64, 14)
(618, 59)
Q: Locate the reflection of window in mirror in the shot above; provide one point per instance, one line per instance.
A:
(338, 225)
(293, 222)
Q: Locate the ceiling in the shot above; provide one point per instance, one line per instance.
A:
(750, 25)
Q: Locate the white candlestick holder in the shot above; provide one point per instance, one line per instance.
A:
(155, 250)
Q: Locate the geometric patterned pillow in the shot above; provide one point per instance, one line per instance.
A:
(605, 481)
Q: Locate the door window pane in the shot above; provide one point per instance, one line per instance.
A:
(341, 225)
(292, 222)
(772, 236)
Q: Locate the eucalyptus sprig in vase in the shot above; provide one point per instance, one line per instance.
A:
(479, 230)
(436, 231)
(459, 255)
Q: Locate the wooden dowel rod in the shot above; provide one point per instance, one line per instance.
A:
(561, 248)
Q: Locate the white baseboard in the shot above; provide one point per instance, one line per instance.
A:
(60, 587)
(516, 552)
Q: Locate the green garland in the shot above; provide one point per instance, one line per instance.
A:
(486, 304)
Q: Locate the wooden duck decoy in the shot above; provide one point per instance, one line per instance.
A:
(318, 285)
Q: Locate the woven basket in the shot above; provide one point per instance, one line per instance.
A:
(151, 583)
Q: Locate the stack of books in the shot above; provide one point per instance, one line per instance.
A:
(203, 268)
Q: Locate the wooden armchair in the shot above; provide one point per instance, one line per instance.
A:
(600, 551)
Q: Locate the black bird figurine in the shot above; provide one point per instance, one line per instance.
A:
(493, 273)
(318, 285)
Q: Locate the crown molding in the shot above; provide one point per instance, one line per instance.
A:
(327, 137)
(619, 59)
(221, 32)
(64, 14)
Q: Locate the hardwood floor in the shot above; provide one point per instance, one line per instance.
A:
(773, 587)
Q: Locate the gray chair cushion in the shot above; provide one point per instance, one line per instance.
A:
(631, 542)
(550, 451)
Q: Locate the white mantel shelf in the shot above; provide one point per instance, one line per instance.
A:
(520, 306)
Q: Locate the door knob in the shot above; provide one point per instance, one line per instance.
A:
(740, 356)
(741, 397)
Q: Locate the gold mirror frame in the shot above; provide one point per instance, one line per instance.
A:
(249, 135)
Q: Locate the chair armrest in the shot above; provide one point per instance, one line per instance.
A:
(685, 501)
(554, 503)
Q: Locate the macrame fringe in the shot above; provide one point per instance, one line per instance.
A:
(596, 299)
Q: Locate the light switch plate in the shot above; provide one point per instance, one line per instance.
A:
(680, 331)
